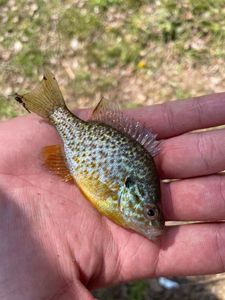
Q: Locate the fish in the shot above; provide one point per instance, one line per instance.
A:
(110, 157)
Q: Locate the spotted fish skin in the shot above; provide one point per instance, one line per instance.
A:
(114, 171)
(105, 155)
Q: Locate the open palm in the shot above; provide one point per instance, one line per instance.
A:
(55, 245)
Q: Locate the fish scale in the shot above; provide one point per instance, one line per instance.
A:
(106, 157)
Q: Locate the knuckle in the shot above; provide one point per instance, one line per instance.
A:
(206, 149)
(221, 189)
(169, 116)
(220, 248)
(199, 109)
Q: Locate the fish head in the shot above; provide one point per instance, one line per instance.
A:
(140, 205)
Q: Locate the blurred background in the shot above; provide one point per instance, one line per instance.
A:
(139, 52)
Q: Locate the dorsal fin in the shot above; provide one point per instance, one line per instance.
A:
(108, 113)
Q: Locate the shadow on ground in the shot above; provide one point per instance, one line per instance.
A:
(193, 288)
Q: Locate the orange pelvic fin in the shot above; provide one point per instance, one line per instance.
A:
(54, 160)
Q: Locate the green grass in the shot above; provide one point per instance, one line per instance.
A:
(133, 291)
(119, 42)
(112, 44)
(7, 110)
(136, 37)
(28, 24)
(136, 290)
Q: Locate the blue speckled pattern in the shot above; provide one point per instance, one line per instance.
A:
(107, 157)
(101, 152)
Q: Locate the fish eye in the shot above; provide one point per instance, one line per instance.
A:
(151, 211)
(129, 182)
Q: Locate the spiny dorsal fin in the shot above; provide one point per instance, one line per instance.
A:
(104, 106)
(108, 113)
(54, 160)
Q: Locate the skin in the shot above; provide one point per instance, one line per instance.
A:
(55, 245)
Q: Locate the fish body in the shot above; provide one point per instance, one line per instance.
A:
(114, 171)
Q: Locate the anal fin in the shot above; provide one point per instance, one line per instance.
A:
(54, 160)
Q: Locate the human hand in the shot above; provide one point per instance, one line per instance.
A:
(55, 245)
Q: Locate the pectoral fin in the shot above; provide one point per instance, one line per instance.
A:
(54, 160)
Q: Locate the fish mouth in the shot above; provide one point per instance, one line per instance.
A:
(151, 230)
(156, 229)
(153, 233)
(158, 224)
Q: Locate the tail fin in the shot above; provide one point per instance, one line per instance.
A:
(45, 98)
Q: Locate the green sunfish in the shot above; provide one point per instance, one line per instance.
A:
(110, 157)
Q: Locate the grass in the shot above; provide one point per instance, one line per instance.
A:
(7, 110)
(113, 35)
(136, 290)
(132, 291)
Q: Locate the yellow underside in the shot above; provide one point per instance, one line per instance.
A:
(98, 193)
(101, 198)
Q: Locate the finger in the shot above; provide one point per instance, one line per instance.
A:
(177, 117)
(199, 199)
(193, 249)
(195, 154)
